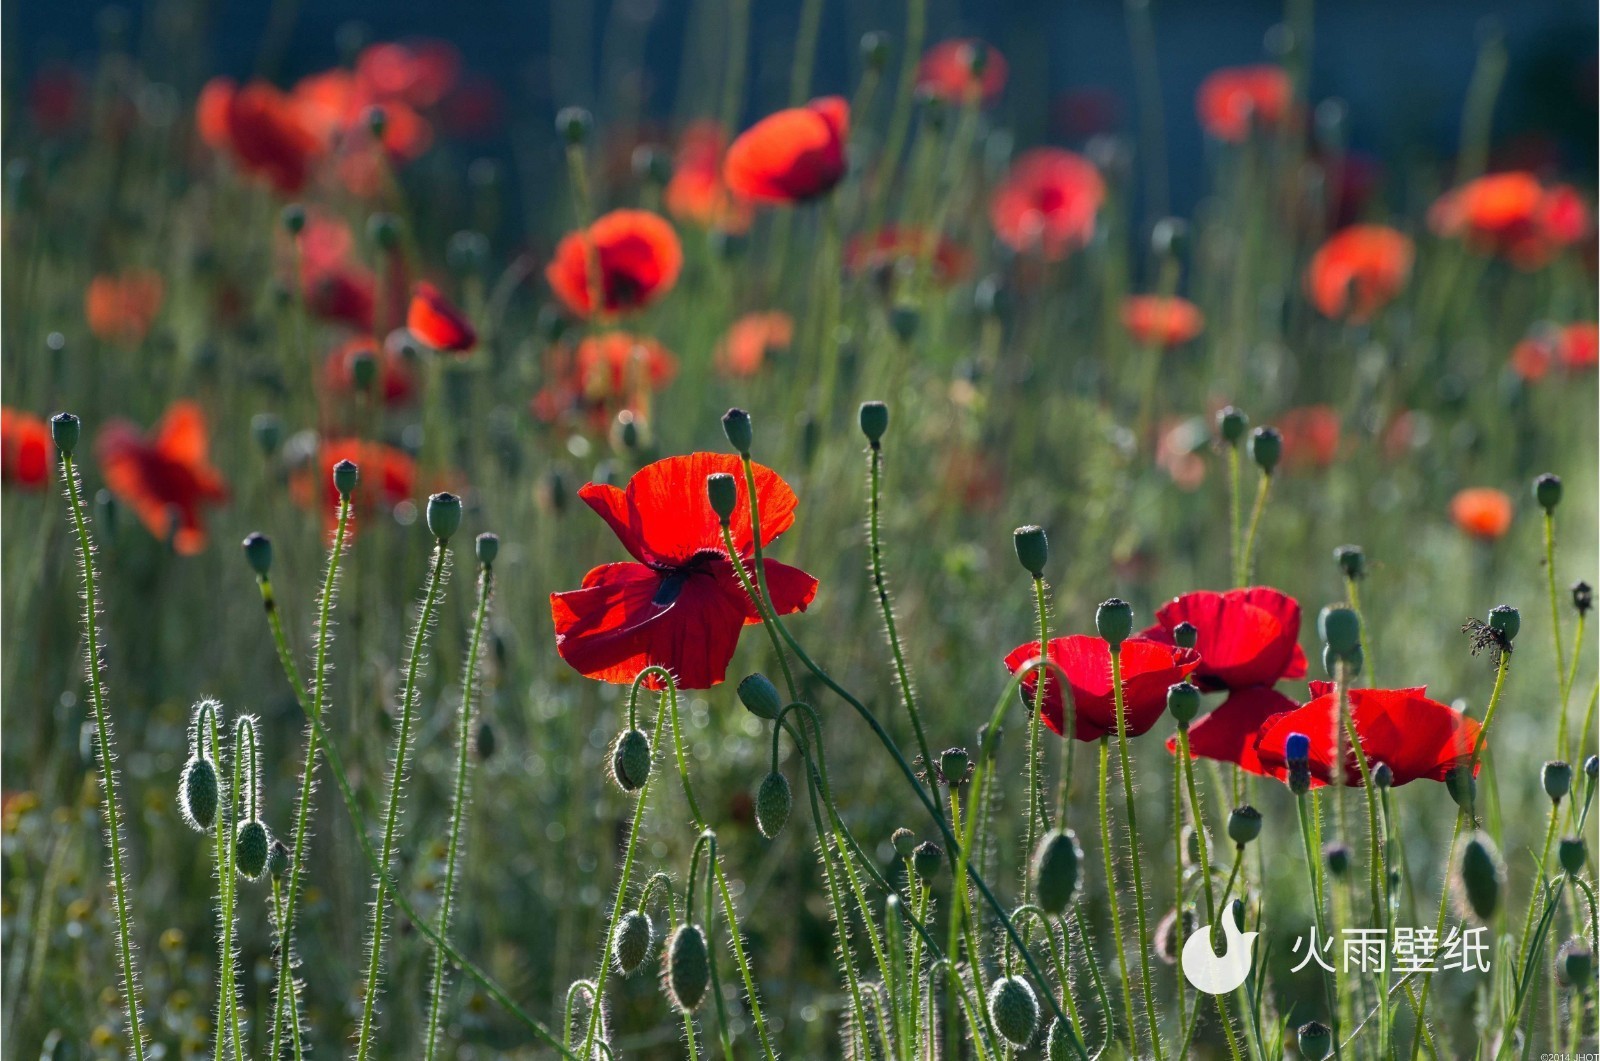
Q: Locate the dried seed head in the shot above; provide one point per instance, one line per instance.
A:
(1033, 549)
(1056, 870)
(630, 760)
(633, 940)
(773, 801)
(251, 846)
(1014, 1009)
(198, 794)
(688, 967)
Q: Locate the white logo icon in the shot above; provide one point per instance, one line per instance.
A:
(1213, 973)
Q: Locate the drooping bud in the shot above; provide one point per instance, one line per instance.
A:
(904, 842)
(1056, 870)
(1266, 447)
(1014, 1009)
(1547, 491)
(773, 801)
(874, 417)
(1244, 824)
(484, 741)
(1351, 560)
(736, 425)
(258, 553)
(573, 125)
(1462, 786)
(278, 859)
(444, 515)
(1185, 635)
(1232, 424)
(632, 940)
(1033, 549)
(345, 477)
(64, 431)
(630, 760)
(251, 846)
(1557, 779)
(1572, 852)
(760, 697)
(1058, 1042)
(722, 490)
(1183, 703)
(198, 793)
(1480, 876)
(927, 859)
(688, 967)
(487, 548)
(1315, 1041)
(1114, 620)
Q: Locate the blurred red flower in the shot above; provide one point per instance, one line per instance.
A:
(1047, 203)
(743, 350)
(166, 477)
(262, 129)
(1246, 636)
(1148, 668)
(396, 379)
(438, 324)
(1358, 271)
(638, 255)
(1513, 215)
(121, 307)
(1573, 347)
(1233, 101)
(680, 605)
(696, 192)
(607, 374)
(1482, 511)
(947, 71)
(792, 156)
(883, 250)
(1310, 436)
(24, 449)
(1161, 320)
(388, 477)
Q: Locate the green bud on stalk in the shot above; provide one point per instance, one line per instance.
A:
(688, 967)
(1033, 549)
(1014, 1009)
(632, 941)
(630, 760)
(1056, 870)
(773, 801)
(760, 697)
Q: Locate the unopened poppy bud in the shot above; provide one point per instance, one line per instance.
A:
(773, 801)
(651, 165)
(1557, 779)
(1582, 597)
(1547, 491)
(926, 859)
(874, 420)
(1232, 424)
(1058, 1042)
(1183, 703)
(345, 477)
(723, 491)
(1505, 621)
(875, 50)
(198, 793)
(1191, 843)
(1056, 870)
(363, 370)
(1572, 852)
(1014, 1009)
(258, 552)
(728, 246)
(573, 124)
(953, 764)
(630, 760)
(1351, 560)
(487, 547)
(736, 425)
(1185, 635)
(64, 431)
(632, 941)
(384, 231)
(1480, 876)
(1266, 447)
(278, 859)
(1315, 1041)
(293, 218)
(1337, 856)
(760, 697)
(688, 967)
(1462, 786)
(989, 741)
(1340, 629)
(1383, 775)
(904, 319)
(444, 515)
(1591, 768)
(1575, 963)
(483, 741)
(267, 430)
(251, 845)
(1244, 824)
(1033, 549)
(1114, 620)
(1169, 237)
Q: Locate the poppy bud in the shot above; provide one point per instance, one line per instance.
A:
(1575, 963)
(1185, 635)
(688, 967)
(198, 793)
(652, 165)
(363, 370)
(723, 491)
(1114, 620)
(1183, 703)
(1244, 824)
(1582, 597)
(267, 430)
(875, 50)
(736, 425)
(1033, 549)
(933, 111)
(1266, 446)
(904, 320)
(977, 56)
(1340, 629)
(991, 297)
(632, 940)
(1480, 876)
(1547, 491)
(1055, 870)
(1315, 1041)
(1297, 749)
(1383, 775)
(874, 420)
(904, 842)
(1462, 786)
(989, 741)
(573, 124)
(727, 246)
(760, 697)
(1591, 767)
(953, 765)
(1557, 779)
(1232, 424)
(345, 477)
(444, 515)
(1191, 843)
(384, 231)
(773, 801)
(1351, 560)
(926, 859)
(1014, 1009)
(293, 218)
(487, 548)
(1572, 853)
(258, 552)
(467, 252)
(1505, 621)
(630, 760)
(64, 431)
(1337, 857)
(251, 846)
(1169, 237)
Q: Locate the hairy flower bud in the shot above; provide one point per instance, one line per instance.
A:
(760, 697)
(1056, 870)
(773, 801)
(1033, 549)
(1058, 1042)
(1014, 1009)
(630, 760)
(251, 846)
(632, 940)
(1480, 876)
(688, 967)
(198, 794)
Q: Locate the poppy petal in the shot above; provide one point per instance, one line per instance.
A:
(1228, 733)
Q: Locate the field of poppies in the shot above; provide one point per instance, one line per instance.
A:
(816, 567)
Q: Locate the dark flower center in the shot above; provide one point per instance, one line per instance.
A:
(675, 576)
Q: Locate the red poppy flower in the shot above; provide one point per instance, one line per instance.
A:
(618, 363)
(696, 192)
(1179, 443)
(946, 72)
(639, 258)
(418, 72)
(1161, 320)
(1246, 636)
(1573, 347)
(1418, 737)
(1310, 436)
(1047, 203)
(211, 112)
(55, 97)
(24, 450)
(267, 135)
(165, 478)
(388, 477)
(1580, 346)
(1148, 668)
(1513, 215)
(792, 156)
(437, 323)
(884, 250)
(1234, 101)
(1358, 271)
(1482, 512)
(744, 349)
(1228, 733)
(396, 381)
(680, 605)
(120, 308)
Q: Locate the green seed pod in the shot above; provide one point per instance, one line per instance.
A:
(278, 859)
(1114, 620)
(258, 553)
(773, 801)
(1575, 964)
(1383, 775)
(1169, 237)
(1266, 448)
(1351, 560)
(1244, 824)
(198, 794)
(927, 859)
(904, 319)
(1058, 1042)
(1339, 629)
(573, 124)
(874, 418)
(384, 231)
(1232, 424)
(1185, 635)
(1315, 1040)
(722, 490)
(1505, 621)
(345, 477)
(1547, 491)
(1056, 870)
(251, 845)
(688, 967)
(904, 841)
(487, 548)
(1557, 779)
(444, 515)
(736, 425)
(1480, 876)
(1582, 597)
(1591, 768)
(953, 765)
(1572, 853)
(632, 941)
(760, 697)
(1033, 549)
(293, 219)
(875, 50)
(267, 430)
(1183, 702)
(363, 370)
(1014, 1009)
(1337, 857)
(630, 760)
(64, 431)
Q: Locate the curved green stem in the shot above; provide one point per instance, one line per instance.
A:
(1111, 893)
(1313, 872)
(1263, 488)
(1133, 844)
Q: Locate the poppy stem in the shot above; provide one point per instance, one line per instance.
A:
(1111, 893)
(1377, 871)
(1502, 665)
(1235, 523)
(1314, 874)
(1197, 817)
(961, 909)
(1263, 488)
(107, 756)
(1555, 630)
(1438, 929)
(1572, 671)
(900, 119)
(1353, 590)
(1036, 809)
(1133, 850)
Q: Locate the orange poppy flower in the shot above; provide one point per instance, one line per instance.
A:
(396, 380)
(388, 477)
(1310, 436)
(1048, 203)
(1482, 511)
(792, 156)
(884, 250)
(1358, 271)
(437, 323)
(639, 258)
(1514, 216)
(605, 375)
(166, 477)
(24, 450)
(946, 72)
(1161, 320)
(121, 308)
(695, 192)
(1233, 101)
(743, 350)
